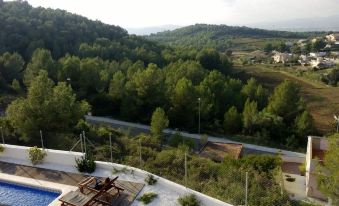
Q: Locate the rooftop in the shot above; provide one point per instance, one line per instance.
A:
(217, 150)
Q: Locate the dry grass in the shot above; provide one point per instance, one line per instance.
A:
(322, 101)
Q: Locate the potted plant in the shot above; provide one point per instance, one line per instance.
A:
(36, 155)
(85, 164)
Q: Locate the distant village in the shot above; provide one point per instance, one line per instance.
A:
(313, 54)
(324, 55)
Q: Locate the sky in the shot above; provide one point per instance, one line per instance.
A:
(149, 13)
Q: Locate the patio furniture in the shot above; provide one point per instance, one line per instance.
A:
(90, 182)
(78, 198)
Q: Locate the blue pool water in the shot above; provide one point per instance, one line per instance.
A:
(16, 195)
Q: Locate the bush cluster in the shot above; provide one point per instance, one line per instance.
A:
(36, 155)
(189, 200)
(85, 164)
(150, 180)
(147, 197)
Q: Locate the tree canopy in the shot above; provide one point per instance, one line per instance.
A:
(48, 107)
(329, 173)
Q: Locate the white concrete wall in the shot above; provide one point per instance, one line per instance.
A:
(286, 158)
(55, 159)
(308, 164)
(168, 191)
(311, 165)
(178, 189)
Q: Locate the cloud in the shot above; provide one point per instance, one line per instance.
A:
(229, 2)
(145, 13)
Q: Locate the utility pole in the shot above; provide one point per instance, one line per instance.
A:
(84, 139)
(69, 82)
(186, 169)
(246, 189)
(336, 118)
(110, 144)
(42, 141)
(140, 157)
(81, 144)
(199, 99)
(2, 136)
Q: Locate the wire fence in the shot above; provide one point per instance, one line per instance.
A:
(223, 181)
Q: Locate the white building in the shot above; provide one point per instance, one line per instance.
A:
(316, 148)
(279, 57)
(318, 54)
(322, 63)
(332, 37)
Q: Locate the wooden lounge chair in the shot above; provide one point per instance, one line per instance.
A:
(77, 198)
(89, 184)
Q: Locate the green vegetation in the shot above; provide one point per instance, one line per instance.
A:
(328, 179)
(51, 75)
(148, 197)
(224, 180)
(47, 107)
(2, 148)
(223, 38)
(290, 179)
(162, 89)
(150, 180)
(159, 122)
(302, 169)
(321, 101)
(85, 164)
(189, 200)
(36, 155)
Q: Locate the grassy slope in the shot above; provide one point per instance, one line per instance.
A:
(322, 101)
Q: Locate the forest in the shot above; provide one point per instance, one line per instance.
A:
(224, 38)
(128, 77)
(56, 67)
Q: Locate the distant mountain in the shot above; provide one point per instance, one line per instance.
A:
(223, 37)
(151, 30)
(330, 23)
(25, 28)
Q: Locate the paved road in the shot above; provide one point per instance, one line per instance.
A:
(135, 128)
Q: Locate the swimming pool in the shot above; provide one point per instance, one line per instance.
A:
(18, 195)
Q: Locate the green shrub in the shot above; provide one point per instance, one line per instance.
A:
(2, 148)
(147, 197)
(36, 155)
(261, 163)
(177, 139)
(150, 180)
(85, 165)
(302, 169)
(189, 200)
(290, 179)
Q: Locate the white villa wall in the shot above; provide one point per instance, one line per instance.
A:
(311, 165)
(55, 159)
(294, 159)
(168, 191)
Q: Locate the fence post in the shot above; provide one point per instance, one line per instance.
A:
(246, 189)
(140, 156)
(110, 144)
(186, 169)
(81, 145)
(2, 136)
(84, 139)
(42, 141)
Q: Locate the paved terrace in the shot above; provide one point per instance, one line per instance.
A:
(131, 189)
(58, 167)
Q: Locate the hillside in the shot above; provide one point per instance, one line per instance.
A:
(223, 37)
(25, 28)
